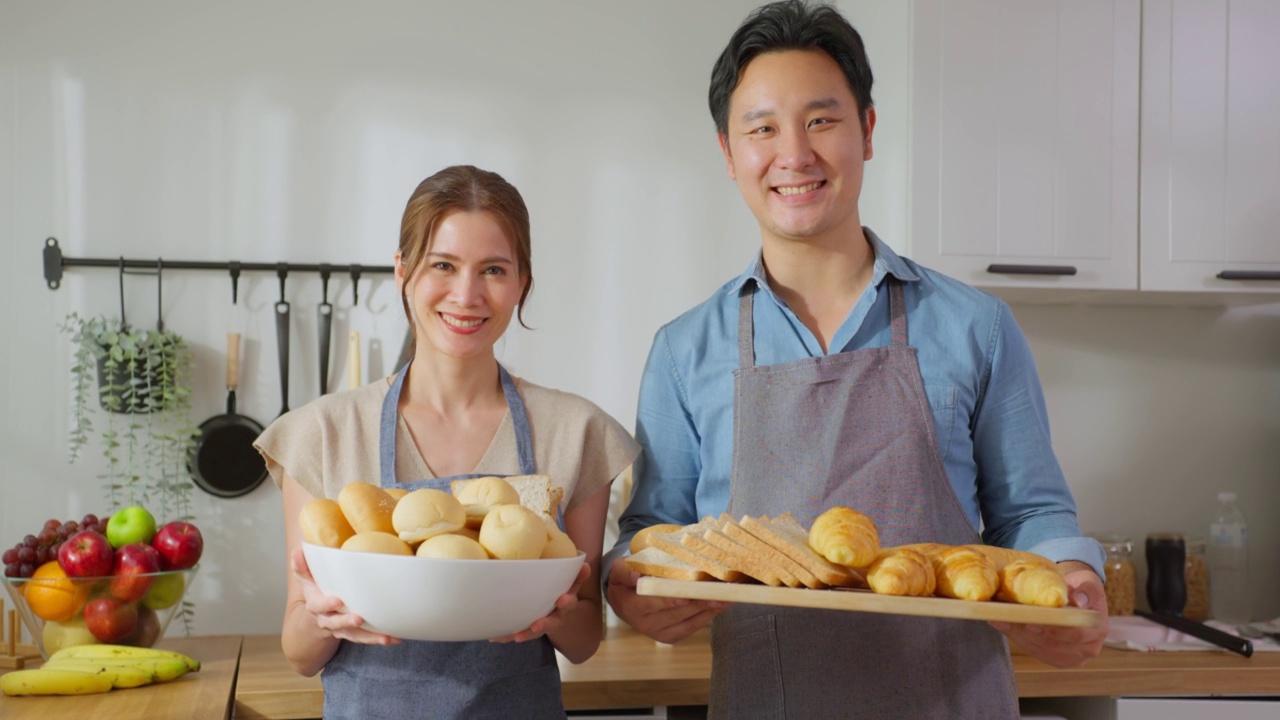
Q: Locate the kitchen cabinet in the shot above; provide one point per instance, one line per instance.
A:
(1210, 135)
(1024, 141)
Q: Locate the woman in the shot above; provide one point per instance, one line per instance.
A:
(463, 269)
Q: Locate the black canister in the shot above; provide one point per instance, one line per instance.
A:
(1166, 581)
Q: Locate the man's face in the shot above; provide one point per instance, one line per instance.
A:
(795, 146)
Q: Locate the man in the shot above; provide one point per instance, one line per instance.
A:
(834, 372)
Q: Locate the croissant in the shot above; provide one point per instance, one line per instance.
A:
(1003, 556)
(1031, 583)
(845, 537)
(901, 571)
(961, 572)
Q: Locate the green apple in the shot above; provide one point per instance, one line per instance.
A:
(134, 524)
(165, 591)
(64, 634)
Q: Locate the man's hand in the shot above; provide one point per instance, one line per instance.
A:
(667, 620)
(1063, 646)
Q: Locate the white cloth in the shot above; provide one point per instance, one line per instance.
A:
(1130, 632)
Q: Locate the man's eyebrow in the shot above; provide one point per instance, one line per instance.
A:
(760, 113)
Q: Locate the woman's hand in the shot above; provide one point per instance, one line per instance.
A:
(1066, 646)
(566, 602)
(328, 612)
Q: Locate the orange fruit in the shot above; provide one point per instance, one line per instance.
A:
(51, 595)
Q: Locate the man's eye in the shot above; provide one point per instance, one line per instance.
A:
(819, 121)
(762, 130)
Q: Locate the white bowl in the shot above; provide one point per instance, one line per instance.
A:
(416, 598)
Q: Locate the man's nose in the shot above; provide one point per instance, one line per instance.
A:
(795, 152)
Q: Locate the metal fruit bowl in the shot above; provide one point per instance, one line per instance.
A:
(122, 610)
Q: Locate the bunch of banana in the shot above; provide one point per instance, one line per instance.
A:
(87, 669)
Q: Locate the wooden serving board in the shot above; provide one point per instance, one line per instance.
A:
(867, 601)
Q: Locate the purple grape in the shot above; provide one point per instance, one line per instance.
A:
(89, 519)
(12, 569)
(52, 524)
(30, 541)
(10, 556)
(26, 570)
(47, 536)
(42, 555)
(27, 555)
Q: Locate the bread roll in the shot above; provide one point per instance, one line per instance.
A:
(426, 512)
(481, 494)
(377, 542)
(453, 547)
(845, 537)
(559, 544)
(1028, 582)
(367, 507)
(902, 571)
(397, 492)
(513, 532)
(323, 523)
(473, 533)
(961, 572)
(640, 540)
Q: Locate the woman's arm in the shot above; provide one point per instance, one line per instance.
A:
(314, 623)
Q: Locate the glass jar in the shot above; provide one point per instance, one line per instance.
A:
(1197, 576)
(1122, 580)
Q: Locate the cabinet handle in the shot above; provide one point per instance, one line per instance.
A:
(1249, 275)
(1032, 269)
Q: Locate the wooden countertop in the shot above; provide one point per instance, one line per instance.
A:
(630, 670)
(206, 694)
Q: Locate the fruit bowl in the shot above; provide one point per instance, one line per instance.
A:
(60, 611)
(421, 598)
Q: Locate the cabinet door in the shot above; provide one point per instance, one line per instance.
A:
(1024, 141)
(1210, 145)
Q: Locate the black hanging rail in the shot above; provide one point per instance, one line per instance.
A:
(55, 261)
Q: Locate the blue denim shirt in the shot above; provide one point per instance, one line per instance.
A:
(979, 376)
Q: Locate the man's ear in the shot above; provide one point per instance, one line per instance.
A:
(868, 127)
(728, 156)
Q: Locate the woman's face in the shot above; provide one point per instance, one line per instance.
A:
(465, 291)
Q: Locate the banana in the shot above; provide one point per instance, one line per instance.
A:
(121, 675)
(52, 682)
(122, 653)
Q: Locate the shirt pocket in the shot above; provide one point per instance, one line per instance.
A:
(942, 402)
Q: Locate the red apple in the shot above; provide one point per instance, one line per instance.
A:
(180, 545)
(110, 619)
(147, 631)
(132, 567)
(86, 554)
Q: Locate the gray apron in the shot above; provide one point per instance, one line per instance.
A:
(851, 428)
(418, 679)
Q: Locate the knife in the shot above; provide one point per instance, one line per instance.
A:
(1200, 630)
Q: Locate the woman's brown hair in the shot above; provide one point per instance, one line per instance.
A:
(469, 189)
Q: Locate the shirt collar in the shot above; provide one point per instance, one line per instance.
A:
(887, 262)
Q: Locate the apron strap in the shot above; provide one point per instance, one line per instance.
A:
(897, 313)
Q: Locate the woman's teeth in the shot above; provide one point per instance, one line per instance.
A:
(799, 190)
(461, 323)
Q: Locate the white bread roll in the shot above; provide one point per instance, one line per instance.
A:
(323, 523)
(367, 507)
(426, 512)
(397, 492)
(473, 533)
(453, 547)
(559, 544)
(377, 542)
(513, 532)
(482, 494)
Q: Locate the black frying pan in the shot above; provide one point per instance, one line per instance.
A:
(224, 461)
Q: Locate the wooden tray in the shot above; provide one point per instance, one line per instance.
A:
(867, 601)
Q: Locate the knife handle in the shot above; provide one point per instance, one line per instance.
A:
(1200, 630)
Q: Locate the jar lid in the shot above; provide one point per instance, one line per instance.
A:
(1114, 542)
(1195, 544)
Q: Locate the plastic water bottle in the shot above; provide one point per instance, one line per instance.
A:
(1228, 563)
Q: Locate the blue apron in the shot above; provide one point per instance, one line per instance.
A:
(416, 679)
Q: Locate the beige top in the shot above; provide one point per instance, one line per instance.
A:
(333, 440)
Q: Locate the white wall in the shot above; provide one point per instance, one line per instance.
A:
(295, 131)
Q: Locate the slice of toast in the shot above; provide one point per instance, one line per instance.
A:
(711, 543)
(672, 543)
(786, 534)
(764, 550)
(655, 562)
(753, 562)
(536, 492)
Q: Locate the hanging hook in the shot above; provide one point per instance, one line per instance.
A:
(234, 265)
(122, 323)
(325, 269)
(355, 285)
(159, 295)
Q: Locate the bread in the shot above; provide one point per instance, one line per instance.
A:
(901, 571)
(559, 544)
(762, 549)
(536, 492)
(1030, 583)
(513, 532)
(481, 494)
(655, 562)
(1003, 556)
(323, 523)
(961, 572)
(845, 536)
(376, 541)
(713, 544)
(396, 492)
(367, 507)
(426, 512)
(453, 547)
(473, 533)
(757, 565)
(672, 544)
(786, 534)
(640, 540)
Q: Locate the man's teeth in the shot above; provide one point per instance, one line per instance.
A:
(460, 323)
(799, 190)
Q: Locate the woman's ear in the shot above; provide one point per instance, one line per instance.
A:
(399, 271)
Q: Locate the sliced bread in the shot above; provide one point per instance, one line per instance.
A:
(786, 534)
(764, 550)
(655, 562)
(673, 544)
(713, 544)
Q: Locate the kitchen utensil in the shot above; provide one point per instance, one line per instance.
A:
(325, 315)
(353, 360)
(867, 601)
(282, 342)
(1200, 630)
(1166, 581)
(223, 461)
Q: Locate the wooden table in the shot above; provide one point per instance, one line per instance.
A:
(207, 694)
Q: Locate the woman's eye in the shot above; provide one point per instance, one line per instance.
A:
(441, 265)
(495, 270)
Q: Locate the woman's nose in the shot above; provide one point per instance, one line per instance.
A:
(465, 290)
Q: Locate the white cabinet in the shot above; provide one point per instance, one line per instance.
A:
(1024, 141)
(1210, 199)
